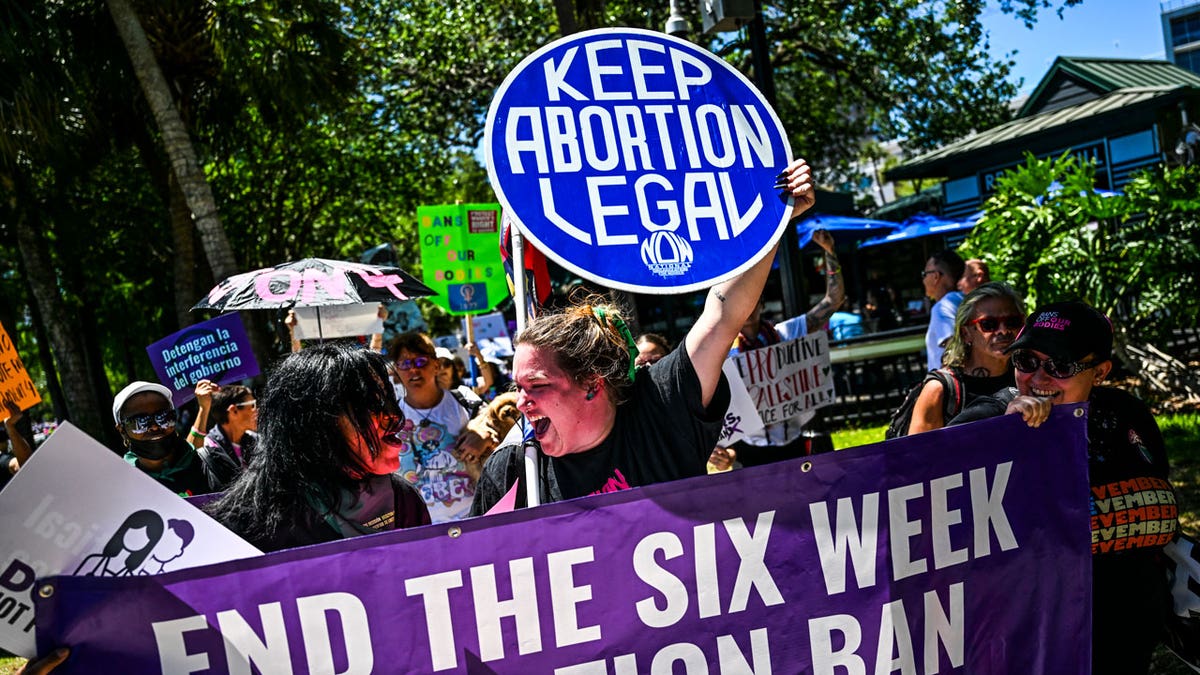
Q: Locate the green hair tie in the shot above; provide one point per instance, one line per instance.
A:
(623, 331)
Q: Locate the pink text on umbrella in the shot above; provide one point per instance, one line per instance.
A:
(387, 281)
(306, 285)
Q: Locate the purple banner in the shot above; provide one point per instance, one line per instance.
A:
(963, 550)
(216, 350)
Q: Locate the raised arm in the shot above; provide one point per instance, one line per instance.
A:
(729, 304)
(835, 286)
(204, 393)
(291, 322)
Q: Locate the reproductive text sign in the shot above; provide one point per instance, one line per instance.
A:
(788, 379)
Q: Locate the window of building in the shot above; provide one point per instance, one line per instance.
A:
(1185, 30)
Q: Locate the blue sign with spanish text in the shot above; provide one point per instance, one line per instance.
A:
(638, 160)
(217, 350)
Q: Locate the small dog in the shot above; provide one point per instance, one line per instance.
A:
(484, 433)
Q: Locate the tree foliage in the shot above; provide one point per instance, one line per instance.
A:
(323, 125)
(1134, 255)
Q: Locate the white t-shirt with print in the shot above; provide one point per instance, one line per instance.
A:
(426, 460)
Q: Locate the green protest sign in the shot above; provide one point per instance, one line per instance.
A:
(460, 256)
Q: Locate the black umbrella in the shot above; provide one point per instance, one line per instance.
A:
(313, 282)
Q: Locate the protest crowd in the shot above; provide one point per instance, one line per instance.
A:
(349, 438)
(329, 450)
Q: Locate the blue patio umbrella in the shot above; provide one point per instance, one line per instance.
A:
(924, 225)
(1056, 187)
(843, 228)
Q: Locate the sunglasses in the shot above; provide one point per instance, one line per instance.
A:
(252, 404)
(991, 324)
(928, 272)
(1026, 362)
(409, 364)
(140, 424)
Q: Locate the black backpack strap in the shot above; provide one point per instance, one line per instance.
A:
(472, 406)
(953, 394)
(952, 401)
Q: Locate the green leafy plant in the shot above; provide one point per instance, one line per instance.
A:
(1134, 255)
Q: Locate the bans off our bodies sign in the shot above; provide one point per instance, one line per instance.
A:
(962, 550)
(460, 256)
(638, 160)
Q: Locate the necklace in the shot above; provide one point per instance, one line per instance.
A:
(424, 421)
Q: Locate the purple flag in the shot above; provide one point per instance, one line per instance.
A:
(217, 350)
(961, 550)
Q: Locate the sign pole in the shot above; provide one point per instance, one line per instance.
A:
(470, 324)
(518, 249)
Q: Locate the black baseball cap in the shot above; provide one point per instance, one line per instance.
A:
(1066, 331)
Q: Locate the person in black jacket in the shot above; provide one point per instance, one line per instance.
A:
(228, 446)
(327, 449)
(1061, 356)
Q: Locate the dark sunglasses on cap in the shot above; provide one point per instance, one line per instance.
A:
(991, 324)
(409, 364)
(140, 424)
(1024, 361)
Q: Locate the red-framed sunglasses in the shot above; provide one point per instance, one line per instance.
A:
(991, 324)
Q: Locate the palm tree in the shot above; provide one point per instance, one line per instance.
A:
(178, 144)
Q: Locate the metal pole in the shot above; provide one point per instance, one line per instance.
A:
(532, 495)
(791, 276)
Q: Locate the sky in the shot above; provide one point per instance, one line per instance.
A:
(1130, 29)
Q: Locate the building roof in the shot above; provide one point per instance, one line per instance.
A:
(898, 209)
(1074, 90)
(1108, 75)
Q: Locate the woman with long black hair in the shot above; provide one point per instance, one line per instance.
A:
(328, 446)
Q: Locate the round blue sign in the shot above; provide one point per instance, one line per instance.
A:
(638, 160)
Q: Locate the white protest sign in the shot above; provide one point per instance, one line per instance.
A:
(337, 321)
(491, 334)
(741, 418)
(788, 379)
(76, 508)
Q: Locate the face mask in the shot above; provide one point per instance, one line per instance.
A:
(157, 449)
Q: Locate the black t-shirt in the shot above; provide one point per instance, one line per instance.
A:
(661, 433)
(1134, 515)
(974, 387)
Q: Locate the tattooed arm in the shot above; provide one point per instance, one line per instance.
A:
(729, 304)
(835, 286)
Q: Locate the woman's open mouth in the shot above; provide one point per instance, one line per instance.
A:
(540, 425)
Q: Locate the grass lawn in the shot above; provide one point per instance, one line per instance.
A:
(1182, 435)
